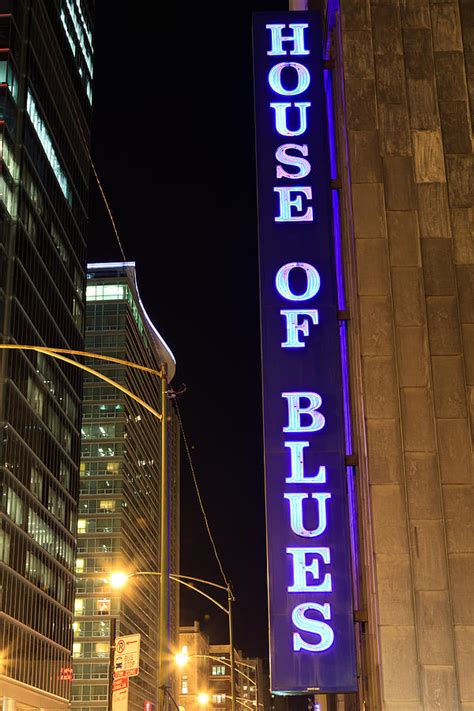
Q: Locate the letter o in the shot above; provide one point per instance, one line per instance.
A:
(303, 76)
(282, 281)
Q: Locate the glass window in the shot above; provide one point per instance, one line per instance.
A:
(184, 684)
(106, 292)
(47, 144)
(102, 649)
(4, 546)
(103, 606)
(36, 482)
(81, 525)
(218, 670)
(35, 397)
(14, 506)
(79, 605)
(218, 698)
(107, 505)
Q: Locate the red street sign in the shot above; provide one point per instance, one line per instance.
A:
(119, 684)
(125, 673)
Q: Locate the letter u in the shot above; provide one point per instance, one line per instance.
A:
(296, 514)
(281, 117)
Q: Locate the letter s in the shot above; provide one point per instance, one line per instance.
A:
(303, 166)
(307, 624)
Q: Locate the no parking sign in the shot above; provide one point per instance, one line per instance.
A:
(127, 656)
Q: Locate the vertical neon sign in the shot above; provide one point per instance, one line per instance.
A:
(309, 571)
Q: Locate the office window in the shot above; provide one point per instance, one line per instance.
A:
(14, 506)
(4, 546)
(106, 292)
(184, 684)
(103, 607)
(36, 482)
(45, 140)
(106, 505)
(218, 670)
(218, 698)
(81, 525)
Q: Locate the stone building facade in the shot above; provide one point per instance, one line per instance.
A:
(403, 73)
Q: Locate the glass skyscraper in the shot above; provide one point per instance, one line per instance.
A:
(46, 61)
(120, 487)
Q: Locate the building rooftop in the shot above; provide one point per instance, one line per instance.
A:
(162, 350)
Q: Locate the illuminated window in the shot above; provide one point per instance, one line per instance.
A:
(77, 649)
(79, 37)
(218, 698)
(101, 649)
(46, 142)
(79, 605)
(80, 565)
(218, 670)
(184, 684)
(4, 546)
(8, 76)
(81, 525)
(106, 292)
(35, 397)
(103, 607)
(14, 506)
(36, 482)
(107, 505)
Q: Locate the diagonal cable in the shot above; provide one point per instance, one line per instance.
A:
(196, 486)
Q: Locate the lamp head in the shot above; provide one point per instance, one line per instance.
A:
(182, 657)
(118, 579)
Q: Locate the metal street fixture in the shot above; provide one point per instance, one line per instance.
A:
(58, 353)
(182, 658)
(119, 579)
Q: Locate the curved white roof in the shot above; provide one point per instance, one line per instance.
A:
(162, 350)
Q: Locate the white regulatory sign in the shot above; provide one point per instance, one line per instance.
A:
(120, 694)
(127, 656)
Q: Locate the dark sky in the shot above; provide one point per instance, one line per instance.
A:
(173, 143)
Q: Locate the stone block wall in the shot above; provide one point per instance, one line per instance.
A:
(404, 76)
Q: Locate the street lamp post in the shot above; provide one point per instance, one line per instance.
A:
(60, 354)
(112, 635)
(182, 658)
(164, 543)
(119, 579)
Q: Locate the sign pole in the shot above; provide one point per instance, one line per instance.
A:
(164, 545)
(230, 600)
(113, 631)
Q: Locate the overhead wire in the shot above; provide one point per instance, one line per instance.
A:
(122, 252)
(196, 486)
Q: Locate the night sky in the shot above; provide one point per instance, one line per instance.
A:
(173, 143)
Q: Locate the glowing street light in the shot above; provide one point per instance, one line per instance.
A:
(182, 657)
(120, 579)
(203, 699)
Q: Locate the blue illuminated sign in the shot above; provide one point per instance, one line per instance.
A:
(312, 643)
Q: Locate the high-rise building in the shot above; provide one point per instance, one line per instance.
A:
(120, 492)
(46, 59)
